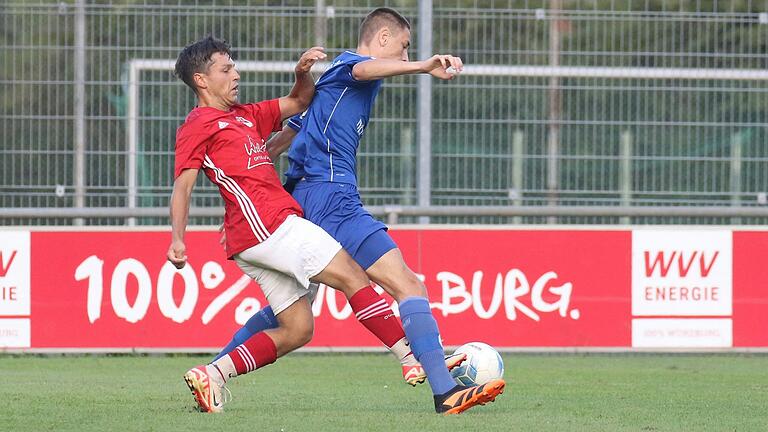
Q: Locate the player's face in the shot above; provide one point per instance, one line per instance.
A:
(223, 79)
(397, 45)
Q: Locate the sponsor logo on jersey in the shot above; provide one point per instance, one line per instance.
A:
(222, 124)
(257, 153)
(244, 121)
(251, 147)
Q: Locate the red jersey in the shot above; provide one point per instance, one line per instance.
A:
(229, 146)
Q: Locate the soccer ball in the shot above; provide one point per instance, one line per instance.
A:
(483, 364)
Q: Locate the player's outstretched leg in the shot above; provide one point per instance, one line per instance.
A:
(370, 308)
(373, 312)
(383, 263)
(391, 272)
(421, 329)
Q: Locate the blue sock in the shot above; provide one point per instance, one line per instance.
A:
(260, 321)
(421, 330)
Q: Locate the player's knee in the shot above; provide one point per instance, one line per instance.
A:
(353, 271)
(306, 335)
(304, 332)
(405, 284)
(300, 335)
(344, 274)
(413, 290)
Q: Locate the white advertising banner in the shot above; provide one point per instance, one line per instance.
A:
(14, 273)
(682, 273)
(15, 333)
(682, 333)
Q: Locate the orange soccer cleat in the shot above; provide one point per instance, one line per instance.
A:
(462, 398)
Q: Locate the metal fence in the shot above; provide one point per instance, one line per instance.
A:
(579, 136)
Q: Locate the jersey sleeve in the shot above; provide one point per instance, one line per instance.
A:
(190, 151)
(296, 121)
(343, 72)
(267, 116)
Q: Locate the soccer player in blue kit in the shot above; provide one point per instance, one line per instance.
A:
(322, 178)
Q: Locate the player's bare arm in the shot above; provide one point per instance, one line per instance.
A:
(280, 142)
(179, 208)
(382, 68)
(301, 94)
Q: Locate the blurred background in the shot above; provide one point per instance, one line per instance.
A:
(569, 112)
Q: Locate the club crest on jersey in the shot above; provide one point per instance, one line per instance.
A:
(257, 153)
(244, 121)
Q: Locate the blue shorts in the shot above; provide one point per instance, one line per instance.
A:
(336, 208)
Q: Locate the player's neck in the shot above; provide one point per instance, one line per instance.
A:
(363, 50)
(206, 101)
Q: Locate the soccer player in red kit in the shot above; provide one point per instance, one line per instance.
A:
(266, 234)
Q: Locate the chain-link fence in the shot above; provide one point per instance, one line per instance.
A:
(567, 139)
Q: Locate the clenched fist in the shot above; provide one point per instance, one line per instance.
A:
(177, 254)
(443, 66)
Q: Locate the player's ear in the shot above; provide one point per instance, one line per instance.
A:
(384, 35)
(200, 81)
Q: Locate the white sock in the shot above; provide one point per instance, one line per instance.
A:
(222, 369)
(409, 360)
(402, 350)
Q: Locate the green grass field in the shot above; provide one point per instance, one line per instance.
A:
(363, 392)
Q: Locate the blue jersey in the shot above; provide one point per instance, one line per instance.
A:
(329, 132)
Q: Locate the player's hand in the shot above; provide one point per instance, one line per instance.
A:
(177, 254)
(223, 239)
(438, 65)
(309, 58)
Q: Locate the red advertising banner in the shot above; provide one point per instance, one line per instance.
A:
(523, 288)
(526, 288)
(750, 280)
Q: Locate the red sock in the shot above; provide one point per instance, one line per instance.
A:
(375, 314)
(256, 352)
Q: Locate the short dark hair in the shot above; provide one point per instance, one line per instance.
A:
(196, 58)
(379, 18)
